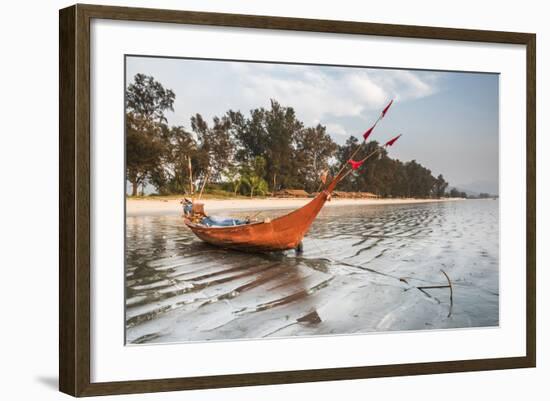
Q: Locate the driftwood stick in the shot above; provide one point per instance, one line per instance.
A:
(429, 287)
(449, 286)
(451, 295)
(425, 293)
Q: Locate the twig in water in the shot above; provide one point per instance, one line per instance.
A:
(451, 289)
(449, 286)
(431, 287)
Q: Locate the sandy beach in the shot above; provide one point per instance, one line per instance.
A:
(164, 207)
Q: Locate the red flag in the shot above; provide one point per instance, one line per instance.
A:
(368, 132)
(355, 165)
(386, 108)
(392, 141)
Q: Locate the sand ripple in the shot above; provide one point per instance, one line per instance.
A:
(358, 273)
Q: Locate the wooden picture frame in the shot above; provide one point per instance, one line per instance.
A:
(74, 199)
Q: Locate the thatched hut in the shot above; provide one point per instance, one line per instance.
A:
(291, 193)
(339, 194)
(355, 195)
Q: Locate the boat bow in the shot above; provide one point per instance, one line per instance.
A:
(282, 233)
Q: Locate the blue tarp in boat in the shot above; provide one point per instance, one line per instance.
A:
(214, 221)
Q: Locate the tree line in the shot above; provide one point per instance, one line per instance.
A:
(267, 150)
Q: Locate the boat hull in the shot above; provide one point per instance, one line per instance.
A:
(283, 233)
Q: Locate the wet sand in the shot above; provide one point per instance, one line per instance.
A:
(359, 273)
(157, 207)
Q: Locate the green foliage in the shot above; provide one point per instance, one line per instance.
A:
(440, 186)
(144, 150)
(234, 179)
(215, 147)
(455, 193)
(314, 148)
(256, 185)
(388, 177)
(252, 176)
(265, 151)
(148, 99)
(146, 103)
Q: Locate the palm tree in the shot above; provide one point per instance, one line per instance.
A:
(256, 183)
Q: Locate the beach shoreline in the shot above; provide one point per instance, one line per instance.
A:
(166, 207)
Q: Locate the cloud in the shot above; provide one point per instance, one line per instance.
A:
(407, 85)
(319, 94)
(336, 129)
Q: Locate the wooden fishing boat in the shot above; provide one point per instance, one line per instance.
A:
(282, 233)
(285, 232)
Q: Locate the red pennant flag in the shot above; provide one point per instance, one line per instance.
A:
(368, 132)
(392, 141)
(386, 108)
(355, 165)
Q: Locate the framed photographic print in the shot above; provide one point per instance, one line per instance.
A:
(250, 200)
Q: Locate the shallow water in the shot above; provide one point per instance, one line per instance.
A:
(359, 272)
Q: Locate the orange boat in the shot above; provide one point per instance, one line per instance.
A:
(282, 233)
(285, 232)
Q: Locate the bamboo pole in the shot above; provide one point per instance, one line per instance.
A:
(363, 160)
(191, 189)
(204, 184)
(358, 147)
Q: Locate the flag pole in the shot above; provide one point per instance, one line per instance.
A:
(363, 160)
(359, 146)
(378, 149)
(365, 138)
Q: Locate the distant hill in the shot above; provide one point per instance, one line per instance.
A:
(468, 192)
(474, 188)
(474, 194)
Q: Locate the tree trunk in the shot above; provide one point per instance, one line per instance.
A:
(134, 188)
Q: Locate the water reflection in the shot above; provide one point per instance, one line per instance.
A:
(358, 273)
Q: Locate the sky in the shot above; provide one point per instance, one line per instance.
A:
(449, 120)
